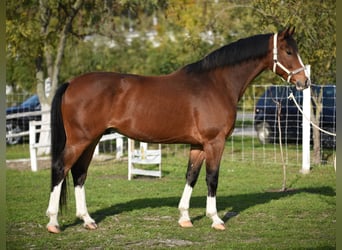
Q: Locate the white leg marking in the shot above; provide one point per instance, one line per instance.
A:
(81, 206)
(212, 212)
(52, 211)
(184, 204)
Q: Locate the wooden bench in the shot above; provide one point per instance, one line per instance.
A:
(143, 156)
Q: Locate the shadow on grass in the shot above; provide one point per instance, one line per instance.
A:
(238, 203)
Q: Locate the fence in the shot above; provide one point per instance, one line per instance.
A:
(262, 145)
(263, 105)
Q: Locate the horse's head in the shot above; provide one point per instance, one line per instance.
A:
(286, 59)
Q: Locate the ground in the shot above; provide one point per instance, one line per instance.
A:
(45, 162)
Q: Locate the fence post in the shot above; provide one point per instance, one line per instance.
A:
(33, 150)
(306, 126)
(130, 152)
(119, 147)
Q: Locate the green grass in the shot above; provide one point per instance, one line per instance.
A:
(20, 151)
(142, 213)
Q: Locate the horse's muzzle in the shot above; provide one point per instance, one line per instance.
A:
(300, 85)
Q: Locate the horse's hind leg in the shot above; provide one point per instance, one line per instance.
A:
(194, 166)
(70, 156)
(79, 174)
(52, 211)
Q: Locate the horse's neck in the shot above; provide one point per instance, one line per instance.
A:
(243, 74)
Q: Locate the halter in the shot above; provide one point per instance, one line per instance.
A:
(276, 62)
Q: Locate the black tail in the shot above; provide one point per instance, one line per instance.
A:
(58, 140)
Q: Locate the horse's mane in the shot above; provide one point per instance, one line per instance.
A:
(242, 50)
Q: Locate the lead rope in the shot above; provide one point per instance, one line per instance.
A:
(291, 96)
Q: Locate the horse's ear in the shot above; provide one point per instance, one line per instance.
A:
(289, 31)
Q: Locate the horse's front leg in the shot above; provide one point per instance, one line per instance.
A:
(194, 166)
(213, 157)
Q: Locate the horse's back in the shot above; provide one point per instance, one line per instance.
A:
(171, 108)
(140, 107)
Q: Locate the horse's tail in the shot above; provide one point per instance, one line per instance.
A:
(58, 140)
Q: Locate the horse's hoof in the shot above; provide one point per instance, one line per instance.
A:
(53, 229)
(90, 226)
(220, 227)
(185, 224)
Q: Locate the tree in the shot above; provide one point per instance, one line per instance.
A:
(52, 21)
(315, 23)
(316, 114)
(38, 31)
(53, 58)
(192, 22)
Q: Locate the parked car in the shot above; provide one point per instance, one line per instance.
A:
(19, 124)
(266, 123)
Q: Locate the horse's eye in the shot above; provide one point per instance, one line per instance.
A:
(288, 52)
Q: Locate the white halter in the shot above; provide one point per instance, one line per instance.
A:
(277, 63)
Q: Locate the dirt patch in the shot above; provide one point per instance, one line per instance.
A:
(45, 162)
(25, 164)
(157, 243)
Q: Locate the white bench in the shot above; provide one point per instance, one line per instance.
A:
(143, 156)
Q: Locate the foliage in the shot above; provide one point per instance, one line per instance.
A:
(315, 23)
(21, 43)
(185, 31)
(19, 74)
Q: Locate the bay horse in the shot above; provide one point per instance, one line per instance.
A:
(195, 105)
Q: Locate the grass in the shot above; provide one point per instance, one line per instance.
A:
(19, 151)
(142, 213)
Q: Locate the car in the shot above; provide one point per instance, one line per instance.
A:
(17, 124)
(266, 122)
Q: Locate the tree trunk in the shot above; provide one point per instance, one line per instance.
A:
(53, 69)
(316, 143)
(315, 132)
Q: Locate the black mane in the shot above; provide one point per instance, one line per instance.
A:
(242, 50)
